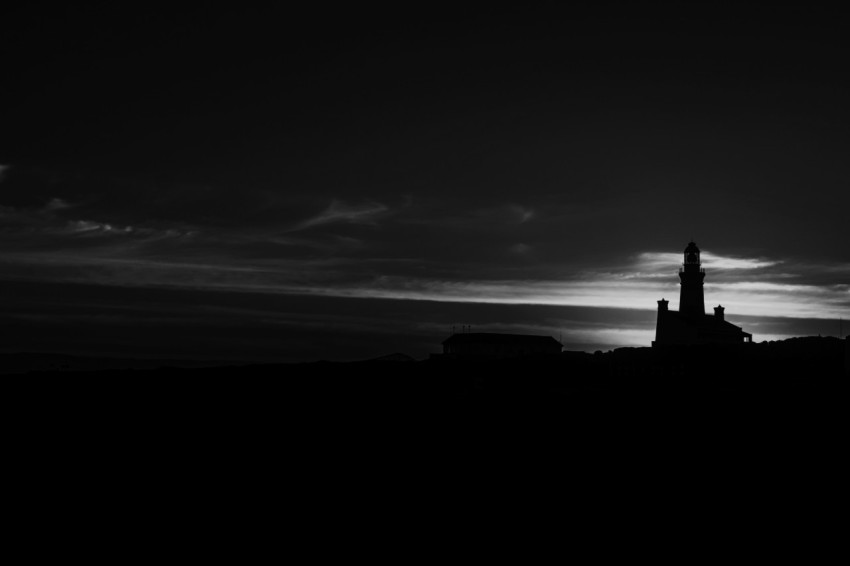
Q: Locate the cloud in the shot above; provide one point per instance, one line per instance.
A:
(44, 230)
(726, 262)
(469, 216)
(593, 310)
(7, 212)
(491, 255)
(3, 169)
(660, 262)
(503, 214)
(752, 292)
(56, 204)
(339, 211)
(88, 226)
(795, 301)
(83, 226)
(521, 214)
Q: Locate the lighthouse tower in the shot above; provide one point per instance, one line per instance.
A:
(691, 325)
(691, 275)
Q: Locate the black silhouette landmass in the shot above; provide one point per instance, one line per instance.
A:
(31, 362)
(328, 433)
(807, 364)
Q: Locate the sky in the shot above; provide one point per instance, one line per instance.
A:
(293, 184)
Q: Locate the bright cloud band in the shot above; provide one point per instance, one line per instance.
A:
(627, 290)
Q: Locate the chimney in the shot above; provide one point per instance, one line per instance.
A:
(718, 312)
(662, 305)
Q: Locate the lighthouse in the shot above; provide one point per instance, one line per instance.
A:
(691, 325)
(691, 276)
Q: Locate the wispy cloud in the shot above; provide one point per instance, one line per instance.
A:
(332, 278)
(660, 262)
(56, 204)
(520, 249)
(338, 211)
(796, 301)
(3, 169)
(60, 239)
(522, 214)
(88, 226)
(41, 231)
(470, 215)
(637, 286)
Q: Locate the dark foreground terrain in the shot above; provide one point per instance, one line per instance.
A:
(346, 457)
(801, 373)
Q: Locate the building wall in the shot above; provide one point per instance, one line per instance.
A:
(671, 330)
(708, 337)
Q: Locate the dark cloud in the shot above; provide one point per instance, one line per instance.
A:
(337, 211)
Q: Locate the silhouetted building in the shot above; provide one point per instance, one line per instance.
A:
(691, 276)
(691, 325)
(488, 345)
